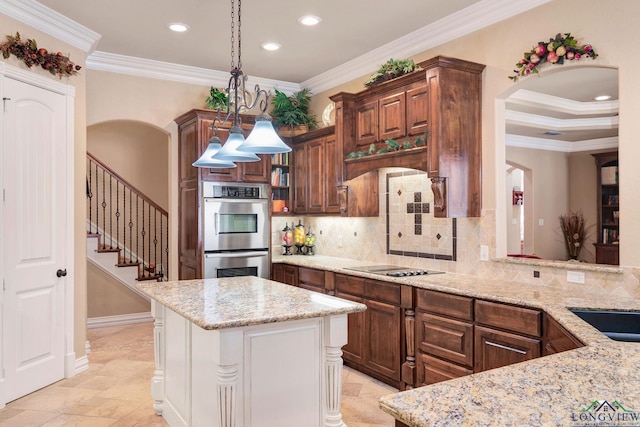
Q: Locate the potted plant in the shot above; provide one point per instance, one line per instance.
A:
(217, 99)
(390, 70)
(291, 112)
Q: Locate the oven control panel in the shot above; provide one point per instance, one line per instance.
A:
(235, 191)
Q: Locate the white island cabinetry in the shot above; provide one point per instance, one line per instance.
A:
(247, 352)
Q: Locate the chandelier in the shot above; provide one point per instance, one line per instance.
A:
(263, 139)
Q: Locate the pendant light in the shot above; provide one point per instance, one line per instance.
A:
(207, 160)
(263, 139)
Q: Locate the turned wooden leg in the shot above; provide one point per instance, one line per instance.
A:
(157, 381)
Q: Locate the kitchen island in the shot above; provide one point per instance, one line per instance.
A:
(246, 351)
(596, 384)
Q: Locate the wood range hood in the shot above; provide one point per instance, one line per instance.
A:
(438, 105)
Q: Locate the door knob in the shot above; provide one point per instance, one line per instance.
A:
(61, 273)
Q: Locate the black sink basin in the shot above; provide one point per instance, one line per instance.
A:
(617, 325)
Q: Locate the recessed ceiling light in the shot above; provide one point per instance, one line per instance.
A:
(309, 20)
(602, 97)
(270, 46)
(178, 27)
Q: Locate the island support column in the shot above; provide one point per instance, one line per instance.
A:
(335, 328)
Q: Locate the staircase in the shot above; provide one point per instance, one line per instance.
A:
(128, 233)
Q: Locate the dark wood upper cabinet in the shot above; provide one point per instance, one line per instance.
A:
(194, 132)
(441, 103)
(318, 178)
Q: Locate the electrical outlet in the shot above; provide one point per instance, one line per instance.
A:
(339, 241)
(536, 274)
(540, 222)
(576, 277)
(484, 253)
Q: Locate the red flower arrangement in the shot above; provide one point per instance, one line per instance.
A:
(55, 63)
(555, 51)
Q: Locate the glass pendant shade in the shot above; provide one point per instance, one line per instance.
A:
(229, 151)
(207, 160)
(263, 139)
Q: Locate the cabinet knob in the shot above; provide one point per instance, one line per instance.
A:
(61, 273)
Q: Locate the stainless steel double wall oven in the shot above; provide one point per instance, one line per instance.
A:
(236, 229)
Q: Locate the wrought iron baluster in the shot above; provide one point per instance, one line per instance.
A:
(104, 210)
(130, 228)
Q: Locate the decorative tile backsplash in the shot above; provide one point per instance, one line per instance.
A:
(412, 229)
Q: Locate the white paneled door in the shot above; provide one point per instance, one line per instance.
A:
(34, 230)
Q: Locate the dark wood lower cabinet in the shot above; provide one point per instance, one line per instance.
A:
(311, 279)
(382, 342)
(354, 350)
(285, 273)
(494, 348)
(432, 370)
(556, 338)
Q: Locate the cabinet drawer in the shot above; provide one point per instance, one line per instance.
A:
(350, 284)
(445, 304)
(446, 338)
(382, 291)
(517, 319)
(494, 349)
(432, 370)
(311, 276)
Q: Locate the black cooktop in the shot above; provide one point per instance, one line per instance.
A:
(393, 270)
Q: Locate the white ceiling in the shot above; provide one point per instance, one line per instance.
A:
(348, 29)
(563, 102)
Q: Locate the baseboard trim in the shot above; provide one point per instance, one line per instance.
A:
(82, 364)
(118, 320)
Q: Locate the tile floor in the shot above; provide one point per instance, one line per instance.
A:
(115, 389)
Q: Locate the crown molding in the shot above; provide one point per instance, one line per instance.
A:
(122, 64)
(562, 146)
(470, 19)
(563, 105)
(552, 123)
(50, 22)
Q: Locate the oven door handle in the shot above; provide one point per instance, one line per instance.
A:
(248, 254)
(215, 223)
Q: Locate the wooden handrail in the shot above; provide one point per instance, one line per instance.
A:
(128, 185)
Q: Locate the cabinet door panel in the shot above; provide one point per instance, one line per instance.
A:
(494, 349)
(354, 349)
(432, 370)
(311, 279)
(315, 176)
(299, 178)
(256, 171)
(215, 174)
(417, 110)
(392, 123)
(446, 338)
(383, 338)
(332, 174)
(556, 338)
(366, 125)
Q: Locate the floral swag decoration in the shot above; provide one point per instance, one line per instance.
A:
(55, 63)
(555, 51)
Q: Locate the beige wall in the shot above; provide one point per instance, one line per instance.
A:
(137, 152)
(548, 198)
(78, 274)
(108, 298)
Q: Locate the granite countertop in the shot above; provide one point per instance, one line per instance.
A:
(242, 301)
(553, 390)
